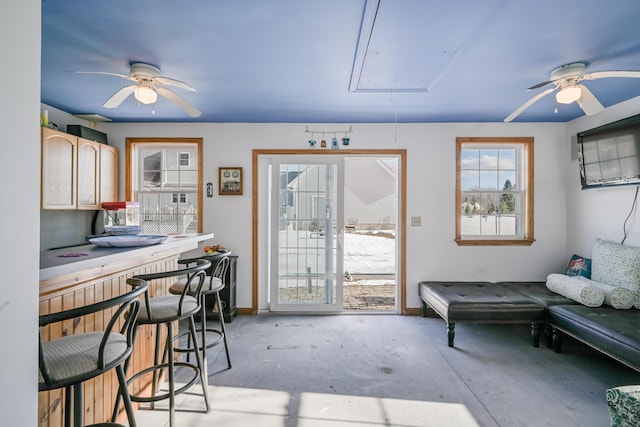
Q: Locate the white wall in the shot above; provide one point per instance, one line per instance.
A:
(432, 252)
(19, 228)
(599, 213)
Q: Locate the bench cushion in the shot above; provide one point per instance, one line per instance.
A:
(538, 292)
(614, 332)
(479, 302)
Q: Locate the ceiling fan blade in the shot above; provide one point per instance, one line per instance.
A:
(528, 104)
(190, 109)
(590, 104)
(117, 98)
(124, 76)
(539, 85)
(604, 74)
(173, 82)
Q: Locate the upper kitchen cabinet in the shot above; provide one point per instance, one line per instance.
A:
(108, 173)
(59, 166)
(88, 178)
(77, 173)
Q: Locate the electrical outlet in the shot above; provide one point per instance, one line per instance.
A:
(416, 221)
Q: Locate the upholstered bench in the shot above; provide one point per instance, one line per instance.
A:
(480, 302)
(614, 332)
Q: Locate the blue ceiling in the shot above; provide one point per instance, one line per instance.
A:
(342, 61)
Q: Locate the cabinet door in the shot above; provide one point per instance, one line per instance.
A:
(108, 173)
(59, 157)
(88, 174)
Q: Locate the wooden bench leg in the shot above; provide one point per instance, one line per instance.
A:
(556, 340)
(547, 335)
(451, 333)
(535, 334)
(424, 309)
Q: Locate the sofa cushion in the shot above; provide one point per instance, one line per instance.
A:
(616, 264)
(615, 332)
(538, 292)
(614, 296)
(584, 293)
(579, 266)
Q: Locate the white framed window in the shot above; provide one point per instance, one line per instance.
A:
(179, 197)
(494, 191)
(184, 159)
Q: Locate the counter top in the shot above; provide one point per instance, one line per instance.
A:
(61, 262)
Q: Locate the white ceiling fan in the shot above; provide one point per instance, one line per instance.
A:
(149, 83)
(566, 80)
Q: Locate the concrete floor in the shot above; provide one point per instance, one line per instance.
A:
(390, 370)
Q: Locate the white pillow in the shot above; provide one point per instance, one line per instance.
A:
(584, 293)
(616, 297)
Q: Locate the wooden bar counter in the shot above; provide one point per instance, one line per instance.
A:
(81, 275)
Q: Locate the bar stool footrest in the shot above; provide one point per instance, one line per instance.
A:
(158, 397)
(210, 343)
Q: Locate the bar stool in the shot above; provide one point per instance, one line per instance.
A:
(69, 361)
(165, 310)
(214, 283)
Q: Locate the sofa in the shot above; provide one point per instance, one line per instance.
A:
(599, 305)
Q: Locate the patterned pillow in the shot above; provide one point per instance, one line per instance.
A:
(616, 265)
(584, 293)
(624, 405)
(579, 266)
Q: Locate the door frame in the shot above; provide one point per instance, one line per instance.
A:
(402, 214)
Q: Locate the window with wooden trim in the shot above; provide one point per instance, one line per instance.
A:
(494, 191)
(165, 176)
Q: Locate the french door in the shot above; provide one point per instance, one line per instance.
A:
(306, 207)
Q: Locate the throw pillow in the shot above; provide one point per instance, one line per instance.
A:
(579, 266)
(584, 293)
(616, 297)
(616, 264)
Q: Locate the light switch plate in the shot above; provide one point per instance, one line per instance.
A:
(416, 221)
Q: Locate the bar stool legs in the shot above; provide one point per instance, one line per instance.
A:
(223, 329)
(168, 362)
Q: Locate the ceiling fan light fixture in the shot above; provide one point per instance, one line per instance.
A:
(568, 94)
(145, 95)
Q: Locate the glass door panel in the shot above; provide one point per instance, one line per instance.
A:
(306, 235)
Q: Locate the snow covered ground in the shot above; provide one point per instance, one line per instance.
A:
(365, 254)
(369, 254)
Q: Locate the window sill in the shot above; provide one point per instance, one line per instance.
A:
(487, 242)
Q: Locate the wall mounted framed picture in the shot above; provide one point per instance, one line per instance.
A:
(230, 181)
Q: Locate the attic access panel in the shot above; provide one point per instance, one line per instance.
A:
(393, 53)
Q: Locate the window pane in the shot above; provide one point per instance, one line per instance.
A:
(509, 176)
(489, 180)
(470, 180)
(488, 159)
(507, 159)
(470, 159)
